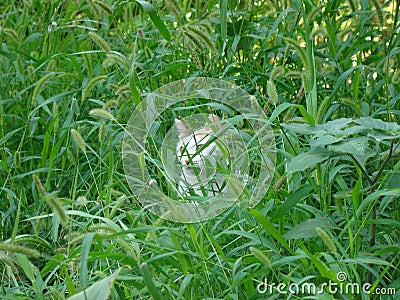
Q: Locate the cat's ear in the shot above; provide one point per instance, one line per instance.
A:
(181, 126)
(216, 121)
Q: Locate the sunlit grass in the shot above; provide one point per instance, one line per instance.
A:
(72, 72)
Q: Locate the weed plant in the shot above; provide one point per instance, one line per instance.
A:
(326, 74)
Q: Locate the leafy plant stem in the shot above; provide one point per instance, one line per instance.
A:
(372, 183)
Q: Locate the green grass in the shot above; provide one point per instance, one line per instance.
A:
(326, 72)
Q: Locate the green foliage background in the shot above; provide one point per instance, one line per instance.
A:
(326, 72)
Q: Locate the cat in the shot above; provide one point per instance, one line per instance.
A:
(199, 156)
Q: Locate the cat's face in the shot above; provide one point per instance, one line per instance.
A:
(194, 146)
(195, 149)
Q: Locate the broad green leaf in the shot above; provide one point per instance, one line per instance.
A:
(149, 8)
(379, 136)
(100, 290)
(357, 146)
(308, 159)
(26, 265)
(292, 200)
(353, 130)
(336, 125)
(324, 140)
(371, 123)
(307, 229)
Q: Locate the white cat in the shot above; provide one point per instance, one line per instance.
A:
(199, 155)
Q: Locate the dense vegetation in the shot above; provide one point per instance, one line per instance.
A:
(327, 75)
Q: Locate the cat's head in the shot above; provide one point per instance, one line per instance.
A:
(194, 146)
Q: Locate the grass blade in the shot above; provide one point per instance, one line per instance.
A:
(149, 8)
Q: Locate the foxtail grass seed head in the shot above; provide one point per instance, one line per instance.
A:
(101, 113)
(17, 159)
(51, 65)
(396, 77)
(102, 228)
(299, 49)
(39, 185)
(92, 82)
(304, 82)
(13, 248)
(322, 109)
(206, 26)
(194, 40)
(78, 140)
(55, 117)
(40, 84)
(272, 93)
(314, 13)
(278, 71)
(108, 62)
(9, 263)
(148, 53)
(30, 69)
(11, 33)
(103, 6)
(203, 37)
(128, 248)
(118, 58)
(327, 240)
(174, 8)
(294, 74)
(95, 10)
(125, 89)
(99, 41)
(194, 55)
(281, 182)
(58, 209)
(71, 157)
(113, 103)
(88, 63)
(319, 31)
(300, 93)
(102, 132)
(260, 256)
